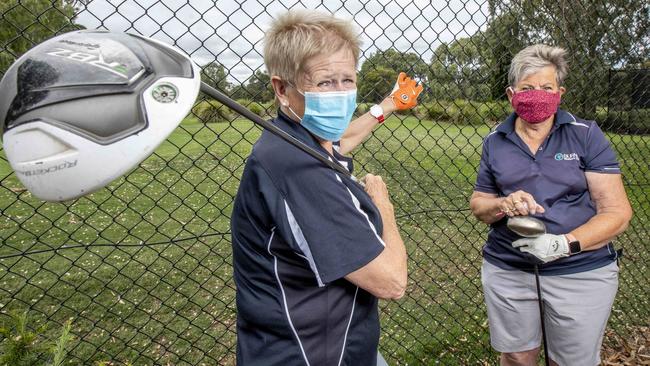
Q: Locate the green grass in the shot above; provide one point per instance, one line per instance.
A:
(169, 298)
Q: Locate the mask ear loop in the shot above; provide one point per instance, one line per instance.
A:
(294, 113)
(287, 103)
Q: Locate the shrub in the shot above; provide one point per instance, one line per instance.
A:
(362, 108)
(212, 111)
(437, 111)
(406, 112)
(635, 121)
(269, 108)
(465, 112)
(495, 112)
(254, 107)
(257, 108)
(469, 113)
(245, 102)
(23, 346)
(421, 111)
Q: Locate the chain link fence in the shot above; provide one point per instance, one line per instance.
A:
(143, 268)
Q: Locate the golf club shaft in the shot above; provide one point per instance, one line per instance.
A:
(541, 315)
(228, 102)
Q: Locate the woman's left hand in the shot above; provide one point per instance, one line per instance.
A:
(547, 247)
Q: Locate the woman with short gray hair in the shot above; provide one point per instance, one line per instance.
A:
(545, 162)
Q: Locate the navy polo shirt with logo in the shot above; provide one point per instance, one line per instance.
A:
(298, 228)
(555, 177)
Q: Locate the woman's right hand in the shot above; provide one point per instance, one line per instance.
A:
(519, 203)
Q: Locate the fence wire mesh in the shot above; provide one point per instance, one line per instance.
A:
(143, 267)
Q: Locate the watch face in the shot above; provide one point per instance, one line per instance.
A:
(376, 111)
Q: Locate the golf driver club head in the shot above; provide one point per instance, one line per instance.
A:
(526, 226)
(83, 108)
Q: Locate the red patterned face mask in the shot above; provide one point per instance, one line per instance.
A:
(535, 106)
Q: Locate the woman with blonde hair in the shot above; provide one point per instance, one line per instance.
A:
(313, 250)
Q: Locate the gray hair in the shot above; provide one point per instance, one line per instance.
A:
(298, 35)
(533, 58)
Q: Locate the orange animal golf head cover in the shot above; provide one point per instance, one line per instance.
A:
(406, 92)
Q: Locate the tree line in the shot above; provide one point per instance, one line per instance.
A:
(599, 35)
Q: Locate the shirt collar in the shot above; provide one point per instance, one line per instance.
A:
(561, 117)
(294, 129)
(285, 123)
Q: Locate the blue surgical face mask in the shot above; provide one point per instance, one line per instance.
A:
(328, 114)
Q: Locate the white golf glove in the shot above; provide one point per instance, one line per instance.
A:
(547, 247)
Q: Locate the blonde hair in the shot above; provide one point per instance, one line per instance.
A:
(298, 35)
(535, 57)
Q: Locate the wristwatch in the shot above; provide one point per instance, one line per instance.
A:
(574, 247)
(378, 112)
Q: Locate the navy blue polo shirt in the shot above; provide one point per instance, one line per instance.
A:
(555, 177)
(298, 228)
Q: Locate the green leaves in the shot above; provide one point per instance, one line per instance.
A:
(214, 74)
(23, 346)
(58, 349)
(25, 23)
(20, 346)
(379, 73)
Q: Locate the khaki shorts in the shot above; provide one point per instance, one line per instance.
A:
(577, 307)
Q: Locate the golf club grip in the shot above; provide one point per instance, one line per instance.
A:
(228, 102)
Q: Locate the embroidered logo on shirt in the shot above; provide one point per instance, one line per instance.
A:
(561, 156)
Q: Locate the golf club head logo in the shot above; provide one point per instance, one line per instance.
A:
(97, 60)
